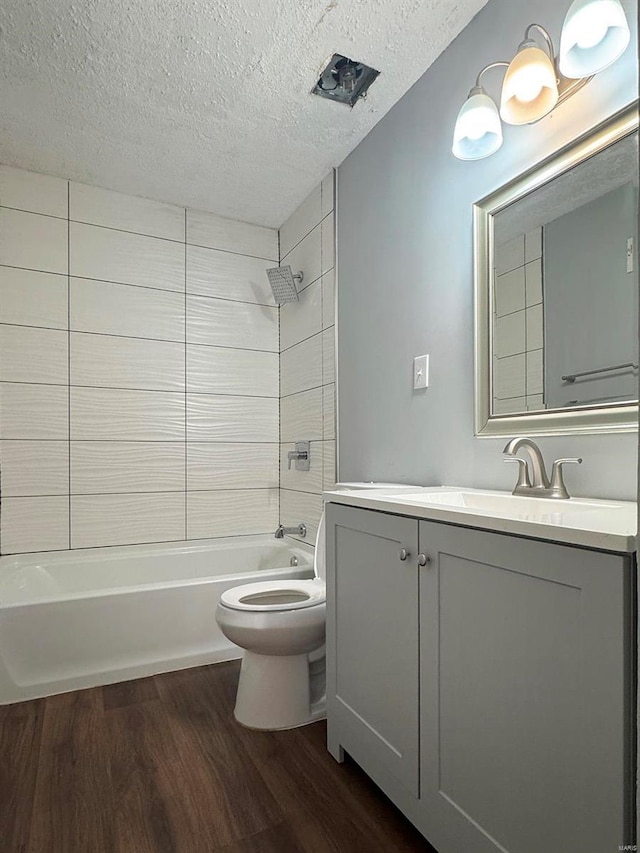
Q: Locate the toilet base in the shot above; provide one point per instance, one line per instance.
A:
(274, 693)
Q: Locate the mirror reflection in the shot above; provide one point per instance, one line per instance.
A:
(564, 302)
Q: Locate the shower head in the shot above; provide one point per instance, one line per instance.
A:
(283, 284)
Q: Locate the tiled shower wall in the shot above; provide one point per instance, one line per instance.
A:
(139, 375)
(518, 326)
(307, 362)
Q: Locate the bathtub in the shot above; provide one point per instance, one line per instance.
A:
(77, 619)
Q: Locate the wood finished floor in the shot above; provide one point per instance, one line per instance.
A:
(160, 766)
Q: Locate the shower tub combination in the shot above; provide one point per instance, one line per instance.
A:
(98, 616)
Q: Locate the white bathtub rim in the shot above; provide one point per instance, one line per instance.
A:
(180, 546)
(238, 578)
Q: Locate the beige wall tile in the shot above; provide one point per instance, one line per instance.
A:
(33, 192)
(34, 355)
(533, 279)
(32, 241)
(301, 416)
(32, 468)
(105, 414)
(509, 255)
(106, 361)
(231, 513)
(212, 465)
(302, 221)
(510, 334)
(125, 212)
(510, 291)
(213, 417)
(306, 257)
(303, 319)
(120, 309)
(328, 190)
(217, 370)
(99, 520)
(223, 323)
(328, 356)
(34, 524)
(328, 299)
(301, 366)
(126, 258)
(34, 411)
(228, 276)
(329, 412)
(30, 298)
(509, 377)
(329, 465)
(301, 508)
(215, 232)
(328, 243)
(104, 467)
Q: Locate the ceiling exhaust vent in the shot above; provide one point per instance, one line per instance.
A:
(344, 80)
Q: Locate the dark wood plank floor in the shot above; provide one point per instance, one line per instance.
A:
(160, 766)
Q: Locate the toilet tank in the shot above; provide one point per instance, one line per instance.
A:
(320, 552)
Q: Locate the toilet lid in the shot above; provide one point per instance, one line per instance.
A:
(275, 595)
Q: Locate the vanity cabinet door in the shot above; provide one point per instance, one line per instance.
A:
(372, 640)
(524, 718)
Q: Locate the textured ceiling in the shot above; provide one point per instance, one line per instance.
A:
(204, 103)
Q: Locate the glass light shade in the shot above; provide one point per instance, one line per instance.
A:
(478, 131)
(530, 88)
(595, 33)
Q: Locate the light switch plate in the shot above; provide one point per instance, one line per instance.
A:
(420, 372)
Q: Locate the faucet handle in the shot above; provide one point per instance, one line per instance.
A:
(523, 473)
(558, 488)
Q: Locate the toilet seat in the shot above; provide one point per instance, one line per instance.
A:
(275, 595)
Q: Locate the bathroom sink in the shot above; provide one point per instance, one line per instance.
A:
(513, 506)
(603, 524)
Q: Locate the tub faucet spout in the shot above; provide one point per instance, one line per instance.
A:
(298, 530)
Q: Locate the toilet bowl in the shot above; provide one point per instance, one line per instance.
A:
(281, 627)
(278, 624)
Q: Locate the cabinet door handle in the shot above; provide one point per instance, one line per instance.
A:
(423, 559)
(403, 554)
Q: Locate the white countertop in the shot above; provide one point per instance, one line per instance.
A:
(603, 525)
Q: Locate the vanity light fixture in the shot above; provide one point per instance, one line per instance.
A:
(595, 33)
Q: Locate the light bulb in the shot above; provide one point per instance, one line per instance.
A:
(591, 35)
(475, 131)
(526, 86)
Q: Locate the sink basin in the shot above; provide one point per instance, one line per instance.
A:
(603, 524)
(512, 506)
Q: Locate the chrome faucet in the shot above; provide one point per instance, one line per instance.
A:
(532, 476)
(298, 530)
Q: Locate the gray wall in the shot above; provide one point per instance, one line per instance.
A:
(590, 300)
(405, 270)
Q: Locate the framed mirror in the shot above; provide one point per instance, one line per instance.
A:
(556, 291)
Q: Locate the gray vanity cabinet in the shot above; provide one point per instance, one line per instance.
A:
(523, 716)
(522, 694)
(374, 624)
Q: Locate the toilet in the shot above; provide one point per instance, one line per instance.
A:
(281, 627)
